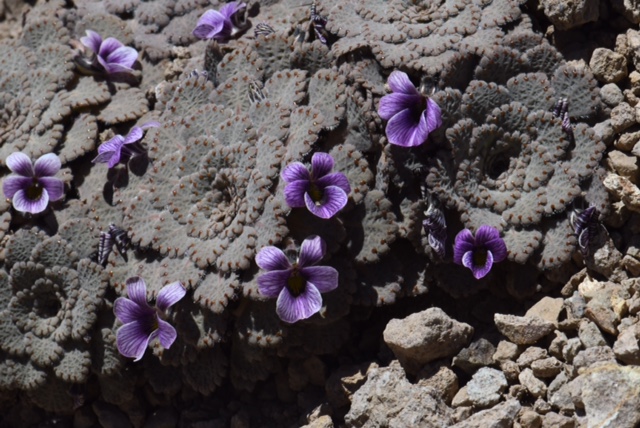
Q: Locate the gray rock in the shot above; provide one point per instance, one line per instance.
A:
(388, 399)
(461, 399)
(624, 164)
(627, 142)
(622, 117)
(605, 131)
(554, 420)
(501, 416)
(546, 368)
(541, 406)
(547, 308)
(571, 349)
(506, 351)
(478, 354)
(530, 419)
(626, 347)
(530, 355)
(510, 369)
(557, 344)
(566, 15)
(590, 334)
(535, 386)
(323, 421)
(628, 8)
(633, 42)
(425, 336)
(345, 381)
(486, 387)
(441, 378)
(608, 66)
(522, 330)
(592, 356)
(611, 94)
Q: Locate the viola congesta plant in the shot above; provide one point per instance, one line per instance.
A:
(296, 284)
(144, 323)
(110, 151)
(411, 116)
(111, 54)
(322, 192)
(219, 25)
(33, 185)
(479, 253)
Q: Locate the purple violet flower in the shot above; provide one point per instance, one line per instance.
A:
(110, 151)
(479, 253)
(113, 56)
(143, 323)
(322, 193)
(34, 185)
(218, 25)
(297, 285)
(411, 116)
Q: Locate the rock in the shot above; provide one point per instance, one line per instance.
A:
(558, 344)
(624, 165)
(501, 416)
(628, 141)
(633, 42)
(589, 357)
(623, 116)
(522, 330)
(530, 355)
(461, 399)
(608, 66)
(486, 387)
(387, 398)
(541, 406)
(574, 308)
(546, 368)
(535, 386)
(547, 308)
(628, 8)
(510, 369)
(590, 335)
(441, 378)
(624, 190)
(554, 420)
(566, 15)
(530, 419)
(611, 94)
(605, 131)
(323, 421)
(562, 395)
(478, 354)
(345, 381)
(571, 349)
(110, 416)
(506, 351)
(632, 265)
(425, 336)
(626, 347)
(607, 303)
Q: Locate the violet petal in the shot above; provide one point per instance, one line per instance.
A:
(403, 131)
(209, 25)
(312, 251)
(333, 200)
(47, 165)
(321, 164)
(169, 295)
(291, 309)
(272, 258)
(13, 183)
(464, 242)
(134, 135)
(271, 283)
(137, 290)
(26, 205)
(123, 58)
(127, 310)
(392, 104)
(295, 172)
(398, 81)
(20, 163)
(433, 115)
(132, 339)
(294, 193)
(336, 179)
(324, 278)
(166, 334)
(109, 46)
(53, 186)
(92, 40)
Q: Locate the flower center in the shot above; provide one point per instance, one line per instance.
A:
(296, 284)
(34, 192)
(418, 108)
(480, 257)
(316, 193)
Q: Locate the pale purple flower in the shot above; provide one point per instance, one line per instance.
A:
(112, 55)
(143, 323)
(411, 116)
(297, 285)
(34, 185)
(110, 151)
(479, 253)
(218, 25)
(322, 192)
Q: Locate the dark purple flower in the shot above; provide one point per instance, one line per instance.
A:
(218, 25)
(110, 151)
(142, 323)
(479, 253)
(297, 285)
(323, 194)
(411, 116)
(113, 56)
(34, 185)
(586, 226)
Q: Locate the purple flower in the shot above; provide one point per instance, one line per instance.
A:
(411, 116)
(34, 185)
(479, 253)
(218, 25)
(142, 323)
(297, 285)
(113, 56)
(322, 193)
(110, 151)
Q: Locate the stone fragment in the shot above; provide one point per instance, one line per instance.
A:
(627, 142)
(557, 344)
(323, 421)
(589, 357)
(611, 94)
(560, 394)
(571, 349)
(605, 131)
(623, 116)
(607, 303)
(623, 189)
(627, 348)
(541, 406)
(535, 386)
(506, 351)
(547, 308)
(461, 399)
(555, 420)
(530, 355)
(522, 330)
(574, 308)
(486, 387)
(590, 335)
(510, 369)
(501, 416)
(345, 381)
(624, 165)
(425, 336)
(530, 419)
(478, 354)
(632, 265)
(566, 15)
(441, 378)
(387, 398)
(628, 8)
(546, 368)
(608, 66)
